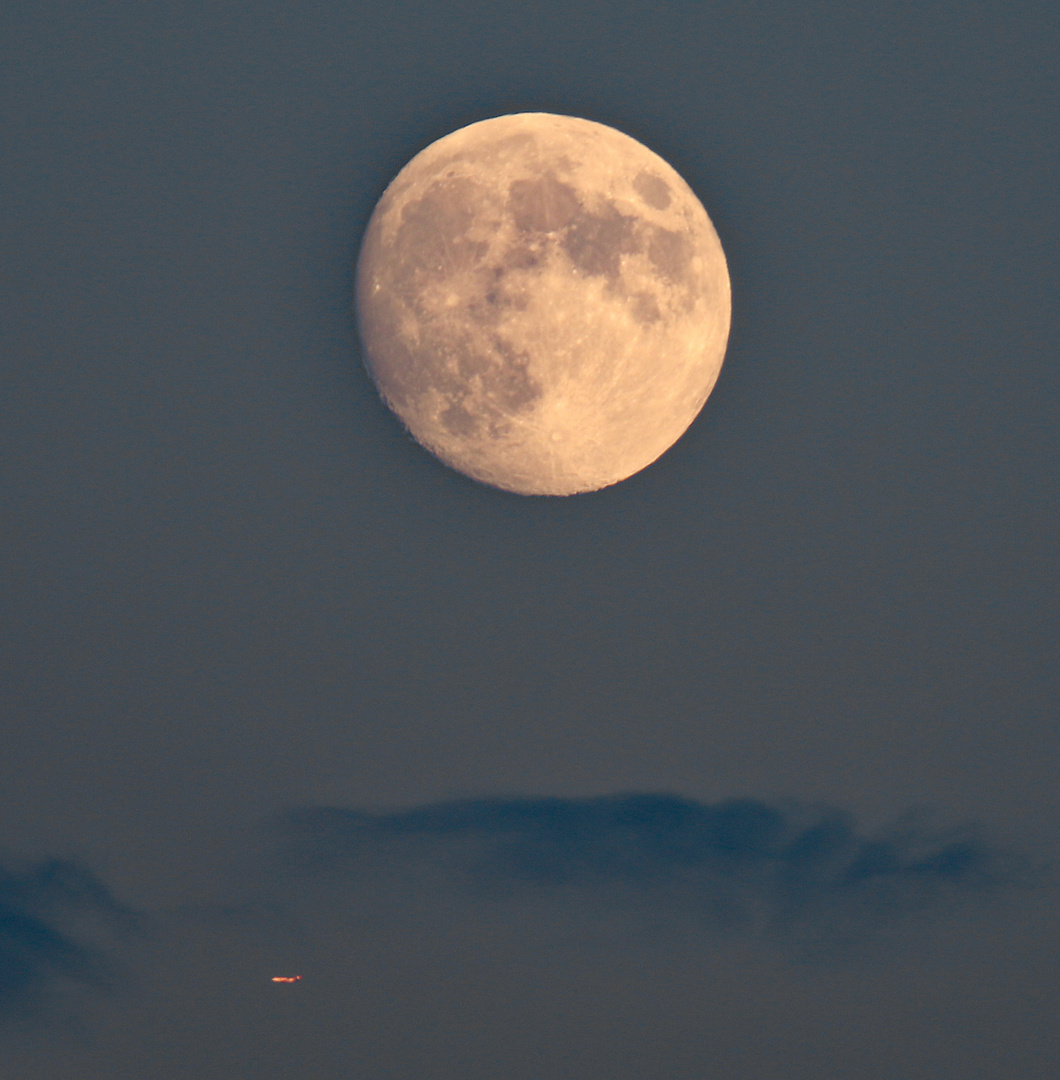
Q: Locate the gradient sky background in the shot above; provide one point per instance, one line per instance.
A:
(231, 587)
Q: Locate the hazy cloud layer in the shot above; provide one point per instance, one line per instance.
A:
(56, 919)
(800, 874)
(735, 865)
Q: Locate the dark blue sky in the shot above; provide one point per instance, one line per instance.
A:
(231, 586)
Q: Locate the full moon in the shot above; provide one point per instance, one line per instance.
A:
(543, 302)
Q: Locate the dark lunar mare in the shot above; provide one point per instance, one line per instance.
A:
(432, 246)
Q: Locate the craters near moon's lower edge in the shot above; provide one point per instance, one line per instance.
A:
(494, 385)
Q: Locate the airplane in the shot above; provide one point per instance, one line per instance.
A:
(286, 978)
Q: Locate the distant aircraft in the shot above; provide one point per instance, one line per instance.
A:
(286, 978)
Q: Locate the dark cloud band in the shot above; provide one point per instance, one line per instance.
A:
(806, 873)
(734, 862)
(51, 915)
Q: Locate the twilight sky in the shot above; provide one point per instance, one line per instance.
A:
(743, 768)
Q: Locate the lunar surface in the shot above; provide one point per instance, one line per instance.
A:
(543, 302)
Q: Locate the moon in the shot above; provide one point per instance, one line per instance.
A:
(543, 302)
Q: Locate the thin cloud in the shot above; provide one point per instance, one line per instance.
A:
(741, 864)
(802, 875)
(53, 916)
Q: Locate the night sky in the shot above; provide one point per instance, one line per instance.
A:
(745, 768)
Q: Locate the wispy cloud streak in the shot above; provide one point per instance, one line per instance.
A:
(734, 864)
(51, 915)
